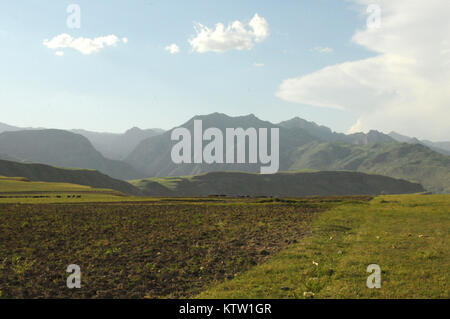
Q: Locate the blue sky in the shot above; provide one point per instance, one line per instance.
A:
(139, 83)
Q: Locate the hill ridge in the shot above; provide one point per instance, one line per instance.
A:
(284, 184)
(46, 173)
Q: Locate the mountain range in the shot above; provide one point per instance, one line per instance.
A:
(324, 133)
(141, 154)
(440, 147)
(111, 145)
(305, 145)
(118, 146)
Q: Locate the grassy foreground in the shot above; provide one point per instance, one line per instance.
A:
(134, 247)
(407, 236)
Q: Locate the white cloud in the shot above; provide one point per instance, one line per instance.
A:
(125, 40)
(173, 48)
(236, 36)
(258, 65)
(405, 87)
(83, 45)
(59, 53)
(324, 50)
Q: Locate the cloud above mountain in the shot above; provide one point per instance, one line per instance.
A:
(84, 45)
(236, 36)
(405, 87)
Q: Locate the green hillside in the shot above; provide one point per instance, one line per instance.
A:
(413, 162)
(45, 173)
(21, 185)
(281, 184)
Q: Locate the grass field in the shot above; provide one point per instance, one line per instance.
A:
(169, 182)
(19, 190)
(407, 236)
(134, 247)
(21, 185)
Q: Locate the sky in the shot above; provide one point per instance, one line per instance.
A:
(352, 65)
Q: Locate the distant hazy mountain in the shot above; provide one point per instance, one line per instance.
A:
(118, 146)
(111, 145)
(441, 147)
(6, 157)
(281, 184)
(45, 173)
(153, 155)
(320, 132)
(305, 145)
(61, 148)
(324, 133)
(5, 127)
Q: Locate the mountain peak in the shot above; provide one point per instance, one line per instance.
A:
(221, 120)
(134, 129)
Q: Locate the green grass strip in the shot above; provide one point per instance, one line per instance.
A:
(407, 236)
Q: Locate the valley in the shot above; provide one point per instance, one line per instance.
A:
(141, 226)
